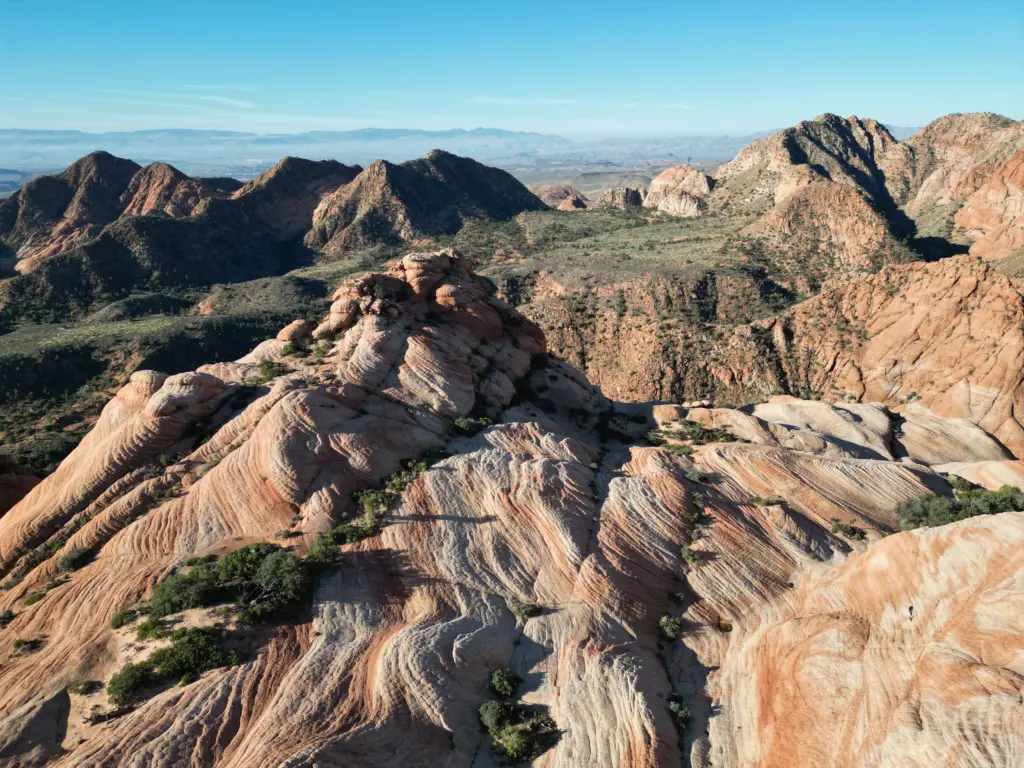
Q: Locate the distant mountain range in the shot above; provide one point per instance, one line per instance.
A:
(246, 154)
(194, 150)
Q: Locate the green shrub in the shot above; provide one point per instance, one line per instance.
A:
(200, 560)
(33, 597)
(243, 564)
(695, 475)
(681, 450)
(691, 556)
(84, 687)
(6, 617)
(151, 629)
(849, 530)
(281, 580)
(123, 617)
(468, 426)
(680, 714)
(324, 551)
(516, 742)
(126, 686)
(699, 434)
(771, 501)
(960, 484)
(192, 651)
(495, 714)
(182, 591)
(654, 437)
(671, 627)
(940, 510)
(74, 559)
(524, 611)
(504, 683)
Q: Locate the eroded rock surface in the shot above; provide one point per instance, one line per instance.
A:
(555, 505)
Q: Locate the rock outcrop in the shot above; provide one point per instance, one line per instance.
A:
(163, 188)
(993, 216)
(624, 197)
(854, 152)
(782, 627)
(678, 191)
(564, 197)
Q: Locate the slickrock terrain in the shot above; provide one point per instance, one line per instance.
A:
(415, 200)
(994, 215)
(698, 599)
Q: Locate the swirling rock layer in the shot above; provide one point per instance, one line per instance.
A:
(797, 645)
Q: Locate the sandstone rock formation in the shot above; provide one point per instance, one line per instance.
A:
(678, 191)
(994, 215)
(561, 196)
(787, 628)
(624, 197)
(857, 153)
(163, 188)
(414, 200)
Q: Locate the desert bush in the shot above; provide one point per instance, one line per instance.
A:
(6, 617)
(84, 687)
(691, 556)
(504, 683)
(524, 611)
(695, 475)
(699, 434)
(74, 559)
(123, 617)
(33, 597)
(770, 501)
(468, 426)
(849, 530)
(940, 510)
(680, 713)
(193, 650)
(671, 627)
(151, 629)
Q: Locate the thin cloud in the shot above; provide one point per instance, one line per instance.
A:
(548, 102)
(519, 102)
(224, 87)
(240, 103)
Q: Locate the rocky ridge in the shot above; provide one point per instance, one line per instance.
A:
(555, 505)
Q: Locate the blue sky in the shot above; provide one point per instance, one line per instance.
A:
(582, 69)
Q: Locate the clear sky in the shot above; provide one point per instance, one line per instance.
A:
(578, 68)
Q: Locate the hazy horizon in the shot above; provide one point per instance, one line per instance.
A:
(580, 70)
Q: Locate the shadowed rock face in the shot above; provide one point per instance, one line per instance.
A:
(52, 213)
(788, 628)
